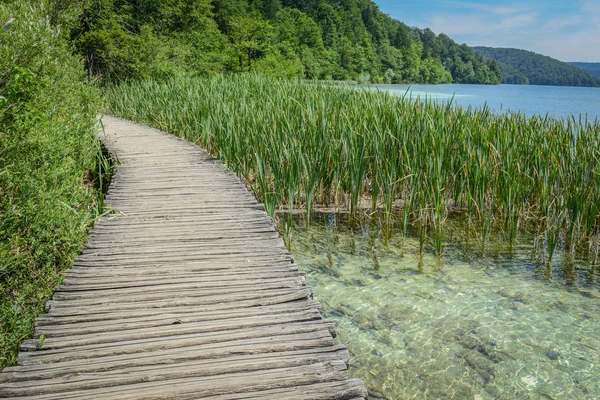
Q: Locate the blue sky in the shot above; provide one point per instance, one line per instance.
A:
(568, 30)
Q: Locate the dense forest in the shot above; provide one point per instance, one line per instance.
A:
(311, 39)
(524, 67)
(591, 68)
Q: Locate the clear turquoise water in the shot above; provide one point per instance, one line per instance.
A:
(557, 101)
(472, 328)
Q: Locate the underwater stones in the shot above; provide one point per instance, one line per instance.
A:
(424, 295)
(393, 313)
(545, 390)
(374, 394)
(507, 303)
(551, 354)
(333, 306)
(452, 327)
(513, 295)
(529, 381)
(557, 304)
(480, 364)
(587, 294)
(493, 391)
(392, 339)
(346, 310)
(466, 340)
(366, 321)
(468, 334)
(460, 391)
(359, 282)
(463, 332)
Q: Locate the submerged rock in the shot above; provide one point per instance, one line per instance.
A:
(366, 321)
(513, 295)
(480, 364)
(394, 313)
(559, 305)
(551, 354)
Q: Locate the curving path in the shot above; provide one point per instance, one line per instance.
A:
(186, 291)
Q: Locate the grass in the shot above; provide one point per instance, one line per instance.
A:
(300, 145)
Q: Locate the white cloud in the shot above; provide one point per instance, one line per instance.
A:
(574, 36)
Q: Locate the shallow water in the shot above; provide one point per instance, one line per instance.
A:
(474, 328)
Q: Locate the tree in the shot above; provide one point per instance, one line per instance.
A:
(268, 8)
(251, 37)
(225, 10)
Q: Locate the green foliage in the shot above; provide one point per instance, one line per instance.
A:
(251, 37)
(276, 65)
(133, 39)
(299, 144)
(525, 67)
(268, 8)
(47, 155)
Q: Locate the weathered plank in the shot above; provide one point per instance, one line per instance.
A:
(185, 291)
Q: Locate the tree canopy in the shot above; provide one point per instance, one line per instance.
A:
(311, 39)
(525, 67)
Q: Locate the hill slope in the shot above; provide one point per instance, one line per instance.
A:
(325, 39)
(591, 68)
(525, 67)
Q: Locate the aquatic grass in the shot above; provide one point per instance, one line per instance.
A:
(307, 145)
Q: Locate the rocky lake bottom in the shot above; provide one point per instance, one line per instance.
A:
(472, 327)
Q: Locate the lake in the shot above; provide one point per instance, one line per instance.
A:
(557, 101)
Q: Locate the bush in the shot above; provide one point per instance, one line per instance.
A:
(47, 157)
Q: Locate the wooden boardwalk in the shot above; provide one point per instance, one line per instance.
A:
(185, 292)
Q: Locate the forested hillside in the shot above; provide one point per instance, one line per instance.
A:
(312, 39)
(525, 67)
(592, 68)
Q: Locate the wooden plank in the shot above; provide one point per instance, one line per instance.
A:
(222, 300)
(89, 274)
(350, 389)
(83, 339)
(241, 257)
(181, 369)
(143, 346)
(167, 319)
(155, 293)
(288, 301)
(198, 387)
(233, 278)
(318, 340)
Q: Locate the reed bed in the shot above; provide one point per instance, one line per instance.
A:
(301, 145)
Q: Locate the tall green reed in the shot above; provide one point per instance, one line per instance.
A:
(301, 145)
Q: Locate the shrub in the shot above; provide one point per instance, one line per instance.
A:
(47, 158)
